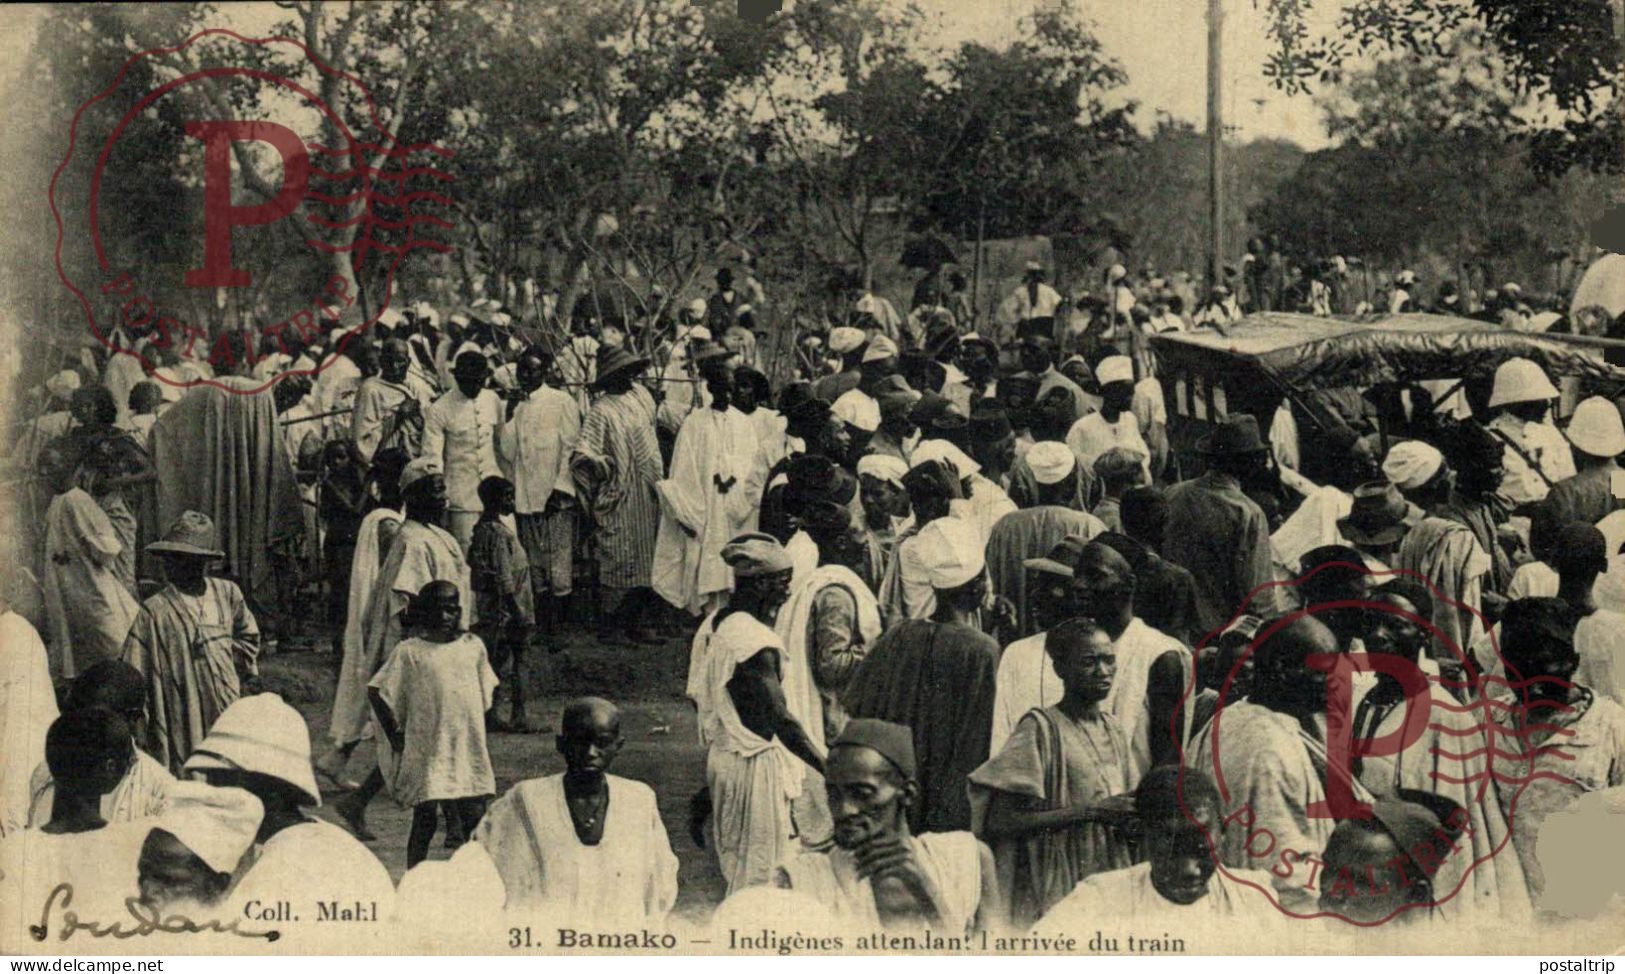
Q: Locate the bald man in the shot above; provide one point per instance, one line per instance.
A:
(1271, 749)
(1177, 812)
(584, 843)
(389, 406)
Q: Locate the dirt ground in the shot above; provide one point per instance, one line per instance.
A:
(662, 745)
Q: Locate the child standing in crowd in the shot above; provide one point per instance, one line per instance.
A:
(503, 608)
(430, 700)
(342, 501)
(145, 398)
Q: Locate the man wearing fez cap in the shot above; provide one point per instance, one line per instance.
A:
(1115, 424)
(1032, 531)
(759, 715)
(879, 871)
(1215, 530)
(459, 430)
(935, 675)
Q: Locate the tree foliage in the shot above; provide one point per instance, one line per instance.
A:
(1562, 54)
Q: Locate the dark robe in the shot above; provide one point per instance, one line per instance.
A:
(220, 452)
(937, 679)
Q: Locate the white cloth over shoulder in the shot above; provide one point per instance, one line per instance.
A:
(27, 708)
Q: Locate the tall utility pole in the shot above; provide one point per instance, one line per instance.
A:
(1215, 142)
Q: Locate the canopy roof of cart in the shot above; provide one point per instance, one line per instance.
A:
(1306, 352)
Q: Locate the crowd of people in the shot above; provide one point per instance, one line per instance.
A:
(962, 624)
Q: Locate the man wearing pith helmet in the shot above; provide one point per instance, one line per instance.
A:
(1536, 455)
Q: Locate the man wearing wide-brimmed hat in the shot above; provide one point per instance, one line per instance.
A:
(1032, 299)
(1377, 522)
(195, 641)
(1598, 436)
(1537, 456)
(616, 465)
(1217, 532)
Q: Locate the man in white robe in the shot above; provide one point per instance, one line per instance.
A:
(585, 843)
(459, 433)
(533, 449)
(1448, 758)
(755, 747)
(114, 686)
(27, 708)
(1271, 749)
(1179, 887)
(89, 608)
(710, 494)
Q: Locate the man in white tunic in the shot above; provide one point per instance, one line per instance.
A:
(27, 708)
(751, 768)
(89, 609)
(710, 495)
(459, 432)
(533, 447)
(585, 843)
(1179, 883)
(1536, 456)
(1271, 747)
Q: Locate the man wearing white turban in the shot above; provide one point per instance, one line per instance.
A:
(1444, 550)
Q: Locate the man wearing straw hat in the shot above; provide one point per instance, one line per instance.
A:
(616, 464)
(195, 641)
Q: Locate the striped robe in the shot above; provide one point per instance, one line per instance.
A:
(617, 464)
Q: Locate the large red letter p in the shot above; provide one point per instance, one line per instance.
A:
(219, 215)
(1341, 667)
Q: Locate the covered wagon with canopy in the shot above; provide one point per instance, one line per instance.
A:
(1337, 375)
